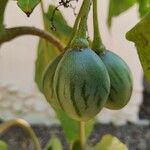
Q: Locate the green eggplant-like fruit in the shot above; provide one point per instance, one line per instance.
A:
(48, 77)
(120, 80)
(81, 83)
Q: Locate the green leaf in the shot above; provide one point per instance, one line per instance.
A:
(27, 6)
(116, 7)
(3, 145)
(54, 144)
(140, 35)
(144, 7)
(71, 127)
(109, 142)
(76, 145)
(46, 51)
(3, 4)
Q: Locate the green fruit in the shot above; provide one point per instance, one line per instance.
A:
(120, 80)
(81, 84)
(48, 77)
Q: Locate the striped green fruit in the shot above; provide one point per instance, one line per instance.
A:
(81, 84)
(120, 79)
(48, 77)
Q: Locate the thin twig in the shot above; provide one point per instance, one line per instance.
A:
(11, 33)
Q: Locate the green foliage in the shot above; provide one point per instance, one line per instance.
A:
(3, 145)
(116, 7)
(140, 35)
(76, 145)
(144, 7)
(54, 144)
(2, 11)
(27, 6)
(109, 142)
(71, 127)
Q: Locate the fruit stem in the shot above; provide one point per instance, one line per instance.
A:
(24, 125)
(79, 40)
(97, 41)
(81, 32)
(82, 134)
(75, 27)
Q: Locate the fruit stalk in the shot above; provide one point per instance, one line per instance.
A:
(97, 41)
(75, 27)
(79, 40)
(82, 134)
(81, 32)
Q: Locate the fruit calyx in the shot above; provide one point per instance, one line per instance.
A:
(79, 40)
(97, 44)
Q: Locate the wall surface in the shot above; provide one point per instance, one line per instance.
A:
(19, 96)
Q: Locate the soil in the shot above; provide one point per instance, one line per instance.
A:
(134, 136)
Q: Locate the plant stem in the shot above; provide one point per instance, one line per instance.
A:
(75, 27)
(97, 41)
(81, 32)
(24, 125)
(11, 33)
(79, 40)
(82, 134)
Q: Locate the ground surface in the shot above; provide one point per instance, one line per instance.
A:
(135, 137)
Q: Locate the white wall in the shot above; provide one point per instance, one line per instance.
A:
(19, 96)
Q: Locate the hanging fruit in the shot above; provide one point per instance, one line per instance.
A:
(119, 72)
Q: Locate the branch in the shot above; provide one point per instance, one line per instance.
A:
(25, 126)
(11, 33)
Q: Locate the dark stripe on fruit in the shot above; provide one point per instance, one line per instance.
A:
(111, 98)
(96, 97)
(83, 94)
(72, 97)
(113, 89)
(99, 100)
(118, 76)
